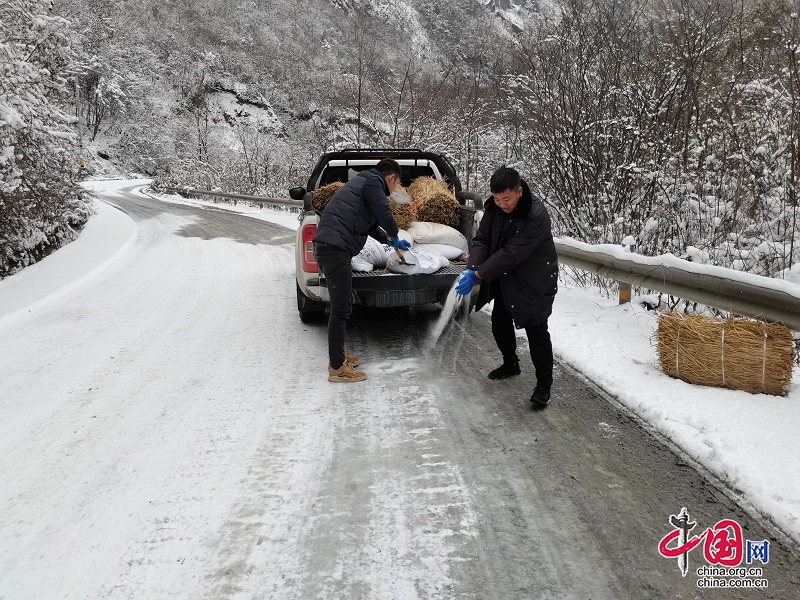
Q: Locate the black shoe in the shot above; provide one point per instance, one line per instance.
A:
(505, 370)
(540, 397)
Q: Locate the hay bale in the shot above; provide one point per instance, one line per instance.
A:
(400, 205)
(434, 202)
(321, 196)
(403, 213)
(440, 209)
(425, 187)
(739, 354)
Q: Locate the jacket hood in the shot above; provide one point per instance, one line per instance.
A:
(523, 206)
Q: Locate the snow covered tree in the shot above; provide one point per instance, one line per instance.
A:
(41, 206)
(101, 90)
(674, 121)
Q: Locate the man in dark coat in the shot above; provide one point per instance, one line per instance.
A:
(359, 209)
(514, 258)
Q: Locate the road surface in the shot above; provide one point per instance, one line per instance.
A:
(167, 431)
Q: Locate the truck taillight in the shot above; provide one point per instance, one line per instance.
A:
(307, 237)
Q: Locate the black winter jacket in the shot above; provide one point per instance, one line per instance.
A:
(516, 252)
(356, 211)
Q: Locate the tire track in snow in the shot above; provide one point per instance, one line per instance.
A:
(259, 548)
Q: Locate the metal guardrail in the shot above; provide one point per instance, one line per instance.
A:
(185, 191)
(724, 289)
(741, 293)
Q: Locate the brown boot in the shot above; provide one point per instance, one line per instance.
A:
(345, 374)
(353, 361)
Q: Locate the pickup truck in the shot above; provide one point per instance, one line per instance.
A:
(379, 287)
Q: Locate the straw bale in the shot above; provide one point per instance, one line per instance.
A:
(321, 196)
(434, 202)
(440, 208)
(423, 188)
(739, 354)
(404, 214)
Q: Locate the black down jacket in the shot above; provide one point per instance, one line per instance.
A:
(356, 211)
(516, 252)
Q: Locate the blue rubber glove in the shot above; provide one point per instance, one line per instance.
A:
(466, 281)
(399, 244)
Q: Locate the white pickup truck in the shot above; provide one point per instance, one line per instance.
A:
(378, 287)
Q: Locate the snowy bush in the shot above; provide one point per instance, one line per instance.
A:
(41, 207)
(674, 122)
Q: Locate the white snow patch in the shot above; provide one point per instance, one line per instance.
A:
(263, 116)
(287, 217)
(104, 240)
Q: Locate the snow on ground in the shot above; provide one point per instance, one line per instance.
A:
(742, 438)
(104, 239)
(286, 218)
(145, 435)
(263, 116)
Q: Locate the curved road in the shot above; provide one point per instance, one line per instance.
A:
(167, 431)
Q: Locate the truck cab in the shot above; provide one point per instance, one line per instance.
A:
(379, 288)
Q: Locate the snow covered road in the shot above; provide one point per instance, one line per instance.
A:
(167, 431)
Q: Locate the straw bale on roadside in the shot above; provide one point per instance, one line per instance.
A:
(740, 354)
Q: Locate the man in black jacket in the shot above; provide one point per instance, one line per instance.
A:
(359, 209)
(514, 257)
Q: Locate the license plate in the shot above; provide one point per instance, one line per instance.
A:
(399, 297)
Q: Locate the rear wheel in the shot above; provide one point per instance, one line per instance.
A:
(312, 317)
(311, 311)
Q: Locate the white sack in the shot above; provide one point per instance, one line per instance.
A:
(360, 265)
(372, 255)
(419, 261)
(400, 195)
(449, 252)
(436, 233)
(405, 235)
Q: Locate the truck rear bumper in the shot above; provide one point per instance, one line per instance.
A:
(387, 298)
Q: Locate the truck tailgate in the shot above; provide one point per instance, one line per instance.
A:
(383, 288)
(381, 279)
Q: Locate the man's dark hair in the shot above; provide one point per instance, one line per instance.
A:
(505, 179)
(389, 166)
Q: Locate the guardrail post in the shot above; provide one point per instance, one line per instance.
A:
(624, 292)
(625, 288)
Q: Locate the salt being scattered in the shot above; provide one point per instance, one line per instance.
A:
(454, 301)
(447, 335)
